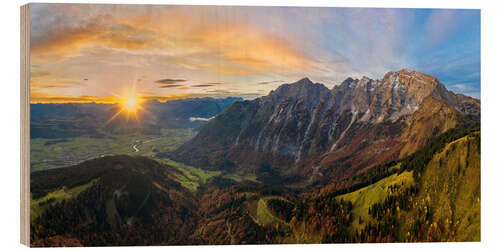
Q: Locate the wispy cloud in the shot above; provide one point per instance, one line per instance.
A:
(41, 80)
(217, 83)
(169, 81)
(202, 85)
(193, 119)
(55, 84)
(461, 87)
(270, 82)
(171, 86)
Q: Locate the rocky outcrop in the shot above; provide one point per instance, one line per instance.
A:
(305, 128)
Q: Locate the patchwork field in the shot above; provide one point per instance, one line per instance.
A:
(54, 153)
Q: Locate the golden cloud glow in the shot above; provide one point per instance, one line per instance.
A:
(38, 97)
(255, 48)
(53, 98)
(112, 45)
(237, 47)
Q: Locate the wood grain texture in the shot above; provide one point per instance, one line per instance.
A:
(25, 129)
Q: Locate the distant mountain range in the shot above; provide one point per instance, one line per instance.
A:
(305, 129)
(92, 119)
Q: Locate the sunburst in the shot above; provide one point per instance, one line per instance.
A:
(130, 104)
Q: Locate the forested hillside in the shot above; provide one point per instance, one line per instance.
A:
(431, 195)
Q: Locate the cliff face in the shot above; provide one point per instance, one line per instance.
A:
(305, 128)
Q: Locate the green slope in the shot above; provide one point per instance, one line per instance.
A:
(365, 197)
(190, 177)
(451, 187)
(38, 205)
(446, 207)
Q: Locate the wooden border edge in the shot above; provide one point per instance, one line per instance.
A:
(25, 120)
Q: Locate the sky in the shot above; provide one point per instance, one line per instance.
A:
(96, 53)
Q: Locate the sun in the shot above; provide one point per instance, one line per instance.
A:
(129, 106)
(130, 103)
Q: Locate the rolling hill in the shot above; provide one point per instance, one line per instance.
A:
(120, 200)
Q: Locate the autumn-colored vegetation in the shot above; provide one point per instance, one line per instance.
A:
(431, 195)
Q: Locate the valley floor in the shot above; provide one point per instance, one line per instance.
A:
(54, 153)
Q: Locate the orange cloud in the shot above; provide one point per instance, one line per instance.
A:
(112, 44)
(216, 43)
(51, 84)
(41, 80)
(38, 97)
(256, 49)
(103, 30)
(66, 41)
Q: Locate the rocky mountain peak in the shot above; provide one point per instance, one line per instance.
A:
(347, 81)
(302, 120)
(411, 79)
(304, 81)
(303, 88)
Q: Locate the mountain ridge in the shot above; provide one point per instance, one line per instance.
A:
(93, 119)
(307, 126)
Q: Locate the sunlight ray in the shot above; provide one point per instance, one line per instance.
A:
(114, 116)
